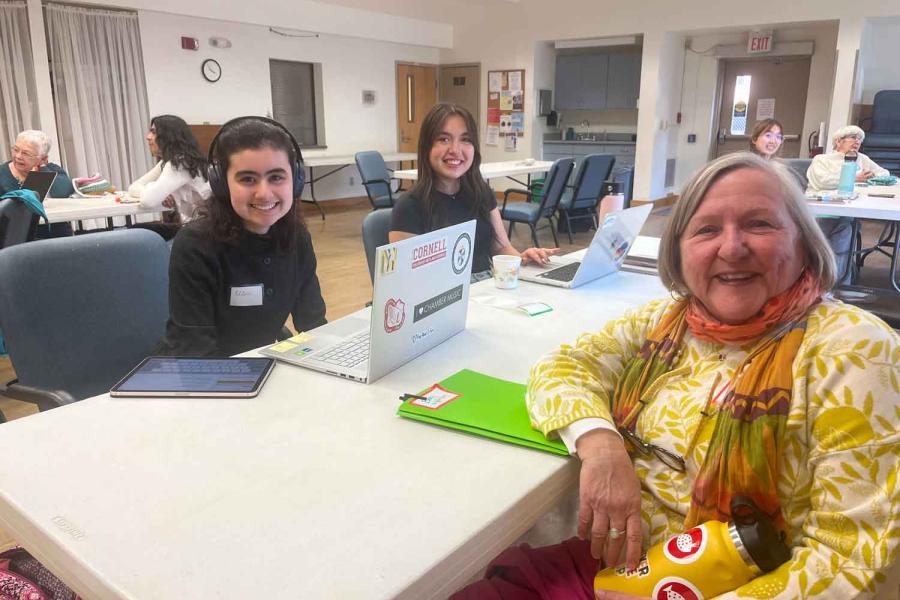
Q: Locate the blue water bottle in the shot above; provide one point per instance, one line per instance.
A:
(848, 175)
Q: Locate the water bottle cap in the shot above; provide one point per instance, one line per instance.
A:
(850, 156)
(760, 538)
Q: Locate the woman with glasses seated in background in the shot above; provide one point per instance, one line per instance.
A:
(30, 153)
(766, 138)
(823, 174)
(750, 380)
(825, 170)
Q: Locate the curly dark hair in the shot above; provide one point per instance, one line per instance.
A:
(177, 145)
(472, 183)
(250, 134)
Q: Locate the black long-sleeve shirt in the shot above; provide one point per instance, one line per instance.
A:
(203, 277)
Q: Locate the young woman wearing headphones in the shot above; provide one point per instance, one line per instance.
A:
(238, 271)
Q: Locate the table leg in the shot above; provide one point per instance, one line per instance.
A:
(312, 193)
(894, 258)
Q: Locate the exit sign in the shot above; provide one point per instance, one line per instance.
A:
(759, 42)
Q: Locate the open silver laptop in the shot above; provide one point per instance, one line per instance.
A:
(604, 256)
(421, 298)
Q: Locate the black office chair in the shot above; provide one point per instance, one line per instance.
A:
(376, 178)
(79, 312)
(579, 201)
(532, 212)
(17, 223)
(375, 228)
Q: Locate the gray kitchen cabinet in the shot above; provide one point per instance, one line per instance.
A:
(624, 81)
(568, 82)
(597, 81)
(594, 74)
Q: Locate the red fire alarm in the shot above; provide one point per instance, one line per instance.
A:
(189, 43)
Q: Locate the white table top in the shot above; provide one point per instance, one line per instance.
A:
(337, 161)
(314, 489)
(864, 206)
(495, 169)
(60, 210)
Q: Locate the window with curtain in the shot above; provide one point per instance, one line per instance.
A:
(18, 100)
(100, 91)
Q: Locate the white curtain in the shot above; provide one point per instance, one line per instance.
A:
(101, 97)
(18, 102)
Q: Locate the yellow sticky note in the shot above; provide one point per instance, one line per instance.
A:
(300, 338)
(285, 346)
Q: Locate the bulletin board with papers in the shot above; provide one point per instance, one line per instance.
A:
(506, 108)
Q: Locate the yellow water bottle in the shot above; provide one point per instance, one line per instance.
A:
(704, 561)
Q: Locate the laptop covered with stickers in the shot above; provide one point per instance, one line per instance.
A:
(421, 298)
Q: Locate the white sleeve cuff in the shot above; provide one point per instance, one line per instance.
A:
(571, 432)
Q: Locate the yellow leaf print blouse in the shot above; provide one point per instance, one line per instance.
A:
(838, 475)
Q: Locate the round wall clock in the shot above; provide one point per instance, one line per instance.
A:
(211, 69)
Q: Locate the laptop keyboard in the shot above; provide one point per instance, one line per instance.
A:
(348, 353)
(563, 273)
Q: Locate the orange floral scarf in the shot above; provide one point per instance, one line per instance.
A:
(742, 458)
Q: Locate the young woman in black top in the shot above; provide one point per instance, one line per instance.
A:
(451, 190)
(247, 262)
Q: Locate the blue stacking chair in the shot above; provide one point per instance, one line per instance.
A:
(532, 212)
(580, 200)
(376, 178)
(78, 313)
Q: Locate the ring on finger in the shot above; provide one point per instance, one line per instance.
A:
(615, 534)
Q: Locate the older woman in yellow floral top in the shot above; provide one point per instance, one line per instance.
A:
(750, 380)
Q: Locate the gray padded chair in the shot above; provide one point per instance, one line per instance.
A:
(580, 200)
(375, 228)
(532, 212)
(78, 313)
(799, 166)
(17, 223)
(376, 178)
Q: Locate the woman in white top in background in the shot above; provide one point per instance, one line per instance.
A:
(824, 174)
(179, 178)
(825, 170)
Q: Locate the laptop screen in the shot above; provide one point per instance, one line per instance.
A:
(39, 182)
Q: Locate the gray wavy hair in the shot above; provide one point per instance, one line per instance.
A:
(819, 257)
(39, 138)
(845, 132)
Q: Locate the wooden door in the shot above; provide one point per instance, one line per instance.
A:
(459, 84)
(779, 80)
(416, 94)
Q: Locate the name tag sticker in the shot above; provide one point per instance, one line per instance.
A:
(435, 398)
(247, 295)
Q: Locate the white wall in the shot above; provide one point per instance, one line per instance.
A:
(304, 15)
(349, 65)
(879, 58)
(544, 79)
(700, 82)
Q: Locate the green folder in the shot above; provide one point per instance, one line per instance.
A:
(488, 407)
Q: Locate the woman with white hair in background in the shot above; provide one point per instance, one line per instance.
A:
(824, 174)
(29, 153)
(825, 170)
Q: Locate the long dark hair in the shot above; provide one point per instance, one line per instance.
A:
(250, 134)
(760, 128)
(471, 183)
(177, 145)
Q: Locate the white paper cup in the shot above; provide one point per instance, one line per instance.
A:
(506, 271)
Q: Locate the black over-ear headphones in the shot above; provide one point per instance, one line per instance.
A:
(218, 180)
